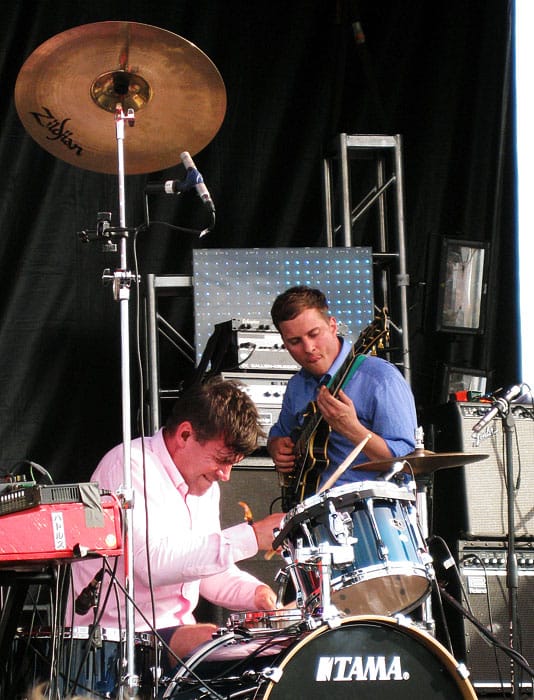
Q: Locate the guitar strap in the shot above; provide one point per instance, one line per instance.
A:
(354, 367)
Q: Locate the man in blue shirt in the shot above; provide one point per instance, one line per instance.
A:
(375, 401)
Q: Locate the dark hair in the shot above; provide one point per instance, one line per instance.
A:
(294, 301)
(219, 408)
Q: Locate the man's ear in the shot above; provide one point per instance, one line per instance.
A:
(333, 324)
(184, 431)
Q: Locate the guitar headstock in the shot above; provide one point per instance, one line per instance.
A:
(376, 335)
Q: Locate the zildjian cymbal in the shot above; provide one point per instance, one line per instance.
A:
(68, 90)
(423, 462)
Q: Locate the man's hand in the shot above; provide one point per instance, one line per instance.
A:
(339, 412)
(282, 454)
(264, 530)
(264, 598)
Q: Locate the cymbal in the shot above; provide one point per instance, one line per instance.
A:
(423, 462)
(68, 89)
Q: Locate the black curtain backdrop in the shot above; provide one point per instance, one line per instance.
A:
(438, 73)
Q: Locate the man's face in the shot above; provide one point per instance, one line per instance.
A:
(311, 340)
(203, 463)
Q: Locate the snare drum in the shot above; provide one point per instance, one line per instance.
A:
(265, 619)
(391, 569)
(371, 658)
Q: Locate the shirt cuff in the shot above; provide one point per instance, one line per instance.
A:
(242, 539)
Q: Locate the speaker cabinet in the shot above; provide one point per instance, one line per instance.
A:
(258, 487)
(482, 567)
(472, 500)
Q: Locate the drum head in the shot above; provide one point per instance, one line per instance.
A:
(369, 658)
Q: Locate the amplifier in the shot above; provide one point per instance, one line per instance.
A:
(266, 390)
(255, 345)
(471, 501)
(482, 567)
(17, 496)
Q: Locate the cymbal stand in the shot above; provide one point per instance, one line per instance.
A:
(422, 517)
(422, 488)
(122, 279)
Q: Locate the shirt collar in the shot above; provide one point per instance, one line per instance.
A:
(168, 464)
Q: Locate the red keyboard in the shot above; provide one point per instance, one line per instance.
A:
(60, 531)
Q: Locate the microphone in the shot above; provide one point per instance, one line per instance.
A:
(87, 598)
(196, 178)
(167, 187)
(499, 405)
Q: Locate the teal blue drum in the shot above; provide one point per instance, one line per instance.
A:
(389, 570)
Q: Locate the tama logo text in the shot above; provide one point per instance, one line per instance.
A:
(360, 668)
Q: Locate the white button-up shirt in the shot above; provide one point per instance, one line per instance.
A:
(189, 554)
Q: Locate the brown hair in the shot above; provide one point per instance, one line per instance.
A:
(294, 301)
(219, 408)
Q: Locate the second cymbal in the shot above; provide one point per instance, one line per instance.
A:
(68, 89)
(423, 462)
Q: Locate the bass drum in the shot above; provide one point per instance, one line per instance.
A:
(371, 658)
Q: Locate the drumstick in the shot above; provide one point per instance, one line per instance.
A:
(247, 515)
(345, 464)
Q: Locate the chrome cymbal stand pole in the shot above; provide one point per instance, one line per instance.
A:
(121, 291)
(422, 487)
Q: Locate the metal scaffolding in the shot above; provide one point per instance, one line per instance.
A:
(362, 177)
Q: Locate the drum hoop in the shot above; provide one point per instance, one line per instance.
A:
(449, 661)
(83, 633)
(241, 617)
(362, 489)
(394, 568)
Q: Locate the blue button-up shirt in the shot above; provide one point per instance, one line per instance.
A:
(383, 400)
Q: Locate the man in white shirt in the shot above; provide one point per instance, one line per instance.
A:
(180, 551)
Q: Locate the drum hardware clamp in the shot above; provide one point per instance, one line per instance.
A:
(323, 557)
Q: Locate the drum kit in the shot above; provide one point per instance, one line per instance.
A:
(356, 554)
(359, 564)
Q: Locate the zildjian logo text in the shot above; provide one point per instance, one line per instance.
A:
(57, 129)
(358, 668)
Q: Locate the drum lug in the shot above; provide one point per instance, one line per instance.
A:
(341, 527)
(342, 554)
(403, 620)
(383, 551)
(273, 674)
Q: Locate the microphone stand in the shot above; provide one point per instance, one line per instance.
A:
(508, 424)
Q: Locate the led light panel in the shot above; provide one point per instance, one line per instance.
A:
(242, 283)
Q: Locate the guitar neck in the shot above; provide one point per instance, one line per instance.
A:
(310, 454)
